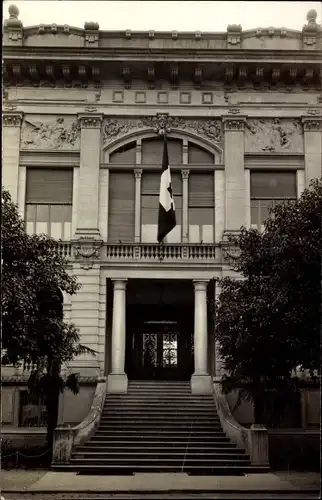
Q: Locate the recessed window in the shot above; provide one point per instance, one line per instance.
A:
(267, 189)
(49, 194)
(125, 154)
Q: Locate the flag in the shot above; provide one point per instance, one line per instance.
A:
(167, 215)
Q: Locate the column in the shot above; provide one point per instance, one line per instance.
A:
(235, 210)
(88, 196)
(185, 217)
(11, 144)
(117, 379)
(201, 382)
(312, 148)
(219, 363)
(137, 227)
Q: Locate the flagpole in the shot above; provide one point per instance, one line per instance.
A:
(162, 132)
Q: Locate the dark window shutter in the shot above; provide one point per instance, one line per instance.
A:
(150, 182)
(46, 185)
(121, 217)
(273, 185)
(201, 189)
(198, 155)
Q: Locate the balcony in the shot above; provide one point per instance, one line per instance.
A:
(152, 252)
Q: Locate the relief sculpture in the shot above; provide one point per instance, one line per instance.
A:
(53, 135)
(274, 135)
(162, 123)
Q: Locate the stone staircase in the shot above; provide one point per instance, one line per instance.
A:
(160, 427)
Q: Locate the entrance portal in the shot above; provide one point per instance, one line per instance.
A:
(159, 335)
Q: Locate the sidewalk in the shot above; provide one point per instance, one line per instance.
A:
(54, 482)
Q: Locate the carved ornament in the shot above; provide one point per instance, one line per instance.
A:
(53, 135)
(275, 134)
(138, 173)
(88, 121)
(312, 124)
(185, 174)
(87, 251)
(162, 124)
(234, 124)
(12, 119)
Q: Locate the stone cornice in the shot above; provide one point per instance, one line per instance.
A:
(312, 124)
(11, 119)
(89, 120)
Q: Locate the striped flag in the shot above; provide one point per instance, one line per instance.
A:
(167, 214)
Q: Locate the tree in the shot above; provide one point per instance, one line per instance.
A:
(268, 321)
(34, 332)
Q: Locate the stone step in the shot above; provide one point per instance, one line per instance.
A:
(159, 446)
(186, 454)
(174, 437)
(167, 433)
(142, 415)
(149, 460)
(115, 469)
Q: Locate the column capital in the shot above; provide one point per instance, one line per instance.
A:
(312, 124)
(234, 124)
(90, 120)
(185, 173)
(119, 284)
(12, 119)
(200, 285)
(138, 173)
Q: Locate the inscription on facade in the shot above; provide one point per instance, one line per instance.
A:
(55, 134)
(274, 135)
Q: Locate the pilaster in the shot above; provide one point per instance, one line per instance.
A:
(137, 226)
(185, 218)
(11, 123)
(84, 314)
(235, 213)
(312, 127)
(22, 179)
(88, 193)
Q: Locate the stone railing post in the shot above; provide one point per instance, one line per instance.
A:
(258, 445)
(63, 444)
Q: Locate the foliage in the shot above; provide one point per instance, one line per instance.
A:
(34, 332)
(267, 322)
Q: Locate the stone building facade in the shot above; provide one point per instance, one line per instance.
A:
(82, 115)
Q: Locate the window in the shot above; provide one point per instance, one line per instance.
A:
(201, 207)
(267, 189)
(152, 151)
(121, 217)
(49, 196)
(125, 154)
(150, 206)
(33, 412)
(198, 155)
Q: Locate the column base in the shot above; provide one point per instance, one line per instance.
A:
(201, 384)
(117, 383)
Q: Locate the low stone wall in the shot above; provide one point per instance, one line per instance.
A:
(23, 437)
(294, 449)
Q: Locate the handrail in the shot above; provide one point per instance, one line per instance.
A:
(66, 437)
(253, 440)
